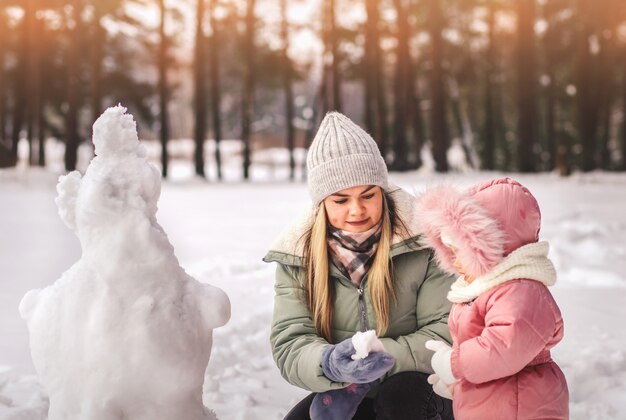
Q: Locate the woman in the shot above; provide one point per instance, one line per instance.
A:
(353, 264)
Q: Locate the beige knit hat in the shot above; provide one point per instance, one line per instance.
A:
(342, 155)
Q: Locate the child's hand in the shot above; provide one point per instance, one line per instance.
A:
(440, 387)
(441, 360)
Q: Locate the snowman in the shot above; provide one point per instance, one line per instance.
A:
(125, 333)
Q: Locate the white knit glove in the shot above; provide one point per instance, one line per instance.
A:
(440, 387)
(441, 360)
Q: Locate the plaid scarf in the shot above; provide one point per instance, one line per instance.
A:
(352, 252)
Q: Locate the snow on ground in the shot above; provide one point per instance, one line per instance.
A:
(221, 231)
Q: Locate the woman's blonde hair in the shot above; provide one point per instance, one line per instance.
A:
(318, 288)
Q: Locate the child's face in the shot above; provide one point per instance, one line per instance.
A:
(456, 263)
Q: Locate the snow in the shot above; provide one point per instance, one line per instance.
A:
(220, 231)
(364, 343)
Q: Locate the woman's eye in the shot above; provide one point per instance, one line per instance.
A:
(340, 201)
(367, 197)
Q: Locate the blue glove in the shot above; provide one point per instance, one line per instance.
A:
(338, 365)
(338, 404)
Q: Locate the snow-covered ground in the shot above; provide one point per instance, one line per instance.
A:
(221, 231)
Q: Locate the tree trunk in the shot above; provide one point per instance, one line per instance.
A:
(585, 97)
(248, 92)
(550, 48)
(419, 129)
(20, 90)
(375, 103)
(73, 87)
(163, 90)
(606, 79)
(381, 105)
(35, 106)
(97, 56)
(402, 90)
(334, 42)
(623, 167)
(369, 66)
(32, 85)
(199, 91)
(215, 89)
(489, 132)
(551, 135)
(526, 89)
(439, 135)
(287, 80)
(463, 124)
(3, 91)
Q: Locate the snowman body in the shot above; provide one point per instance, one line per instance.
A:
(125, 333)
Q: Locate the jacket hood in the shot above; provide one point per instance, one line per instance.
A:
(288, 247)
(484, 223)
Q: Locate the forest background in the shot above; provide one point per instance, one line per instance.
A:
(517, 85)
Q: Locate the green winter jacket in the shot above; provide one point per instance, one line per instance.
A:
(421, 312)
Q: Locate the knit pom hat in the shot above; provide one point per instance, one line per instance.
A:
(483, 224)
(342, 155)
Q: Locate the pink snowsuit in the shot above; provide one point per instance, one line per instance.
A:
(503, 334)
(501, 354)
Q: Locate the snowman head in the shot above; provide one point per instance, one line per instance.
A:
(119, 183)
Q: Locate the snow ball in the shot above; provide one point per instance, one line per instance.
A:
(365, 343)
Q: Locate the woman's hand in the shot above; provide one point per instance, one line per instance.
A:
(338, 365)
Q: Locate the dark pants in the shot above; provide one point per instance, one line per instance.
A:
(404, 396)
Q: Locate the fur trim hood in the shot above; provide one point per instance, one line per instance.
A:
(289, 244)
(484, 223)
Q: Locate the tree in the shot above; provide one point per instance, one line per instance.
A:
(5, 152)
(586, 94)
(287, 81)
(489, 131)
(163, 89)
(526, 84)
(20, 91)
(199, 90)
(75, 34)
(248, 91)
(216, 96)
(557, 45)
(35, 120)
(623, 148)
(330, 90)
(439, 132)
(375, 101)
(402, 91)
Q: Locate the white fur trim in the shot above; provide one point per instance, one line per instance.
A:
(527, 262)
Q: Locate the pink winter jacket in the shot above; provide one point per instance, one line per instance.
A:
(501, 355)
(502, 334)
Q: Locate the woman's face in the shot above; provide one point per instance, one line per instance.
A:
(355, 209)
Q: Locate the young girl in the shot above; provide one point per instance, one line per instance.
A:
(352, 264)
(504, 320)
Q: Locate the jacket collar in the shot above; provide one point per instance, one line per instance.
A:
(527, 262)
(287, 249)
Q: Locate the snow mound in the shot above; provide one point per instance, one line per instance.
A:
(125, 333)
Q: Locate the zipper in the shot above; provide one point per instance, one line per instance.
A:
(364, 322)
